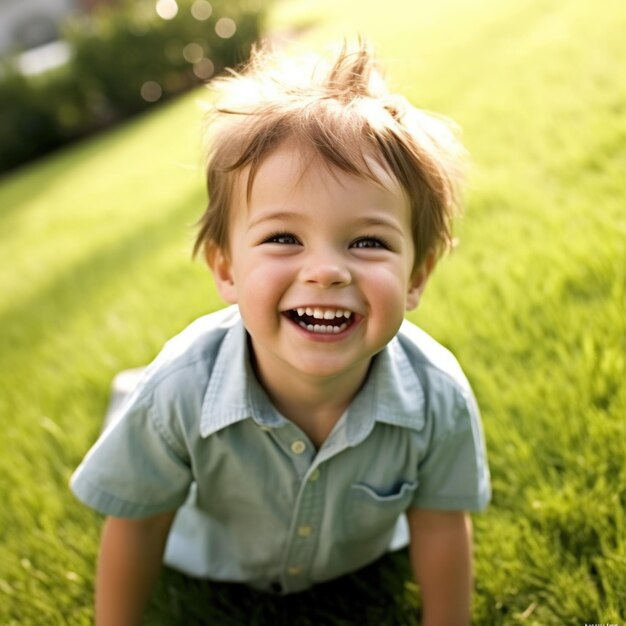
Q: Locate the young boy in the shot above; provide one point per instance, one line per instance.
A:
(288, 439)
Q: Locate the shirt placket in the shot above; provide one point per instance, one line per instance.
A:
(307, 514)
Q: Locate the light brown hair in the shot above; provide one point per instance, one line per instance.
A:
(343, 115)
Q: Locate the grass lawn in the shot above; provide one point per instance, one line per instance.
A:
(95, 275)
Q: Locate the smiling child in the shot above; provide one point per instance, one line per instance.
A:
(304, 431)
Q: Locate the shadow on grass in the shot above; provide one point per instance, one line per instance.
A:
(77, 288)
(378, 595)
(26, 182)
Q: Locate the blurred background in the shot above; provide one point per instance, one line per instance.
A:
(73, 67)
(101, 182)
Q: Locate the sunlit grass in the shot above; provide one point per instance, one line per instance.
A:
(95, 276)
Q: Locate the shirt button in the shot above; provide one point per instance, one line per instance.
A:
(315, 474)
(294, 570)
(298, 447)
(305, 531)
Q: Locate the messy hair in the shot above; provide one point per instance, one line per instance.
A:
(344, 115)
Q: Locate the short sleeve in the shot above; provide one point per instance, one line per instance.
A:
(137, 468)
(454, 474)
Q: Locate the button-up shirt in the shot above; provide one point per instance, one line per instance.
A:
(257, 502)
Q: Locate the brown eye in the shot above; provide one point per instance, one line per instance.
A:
(370, 242)
(281, 238)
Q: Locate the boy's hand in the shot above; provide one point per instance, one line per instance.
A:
(129, 563)
(441, 559)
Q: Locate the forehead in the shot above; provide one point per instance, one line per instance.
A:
(299, 170)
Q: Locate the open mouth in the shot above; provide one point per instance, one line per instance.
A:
(322, 321)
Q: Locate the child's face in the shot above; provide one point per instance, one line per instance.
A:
(320, 265)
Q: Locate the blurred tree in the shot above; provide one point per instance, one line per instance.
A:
(126, 55)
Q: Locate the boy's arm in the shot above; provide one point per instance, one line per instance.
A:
(129, 563)
(441, 560)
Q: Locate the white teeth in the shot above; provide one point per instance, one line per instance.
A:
(321, 314)
(323, 328)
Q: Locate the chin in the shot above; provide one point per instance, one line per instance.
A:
(328, 369)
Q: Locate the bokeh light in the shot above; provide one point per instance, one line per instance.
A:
(225, 27)
(201, 10)
(151, 91)
(204, 69)
(167, 9)
(193, 52)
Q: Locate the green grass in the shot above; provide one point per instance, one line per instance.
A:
(95, 276)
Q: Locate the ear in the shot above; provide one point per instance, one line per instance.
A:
(418, 281)
(219, 262)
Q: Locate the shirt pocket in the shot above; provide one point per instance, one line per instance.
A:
(371, 511)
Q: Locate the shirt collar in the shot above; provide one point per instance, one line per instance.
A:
(233, 392)
(400, 395)
(392, 393)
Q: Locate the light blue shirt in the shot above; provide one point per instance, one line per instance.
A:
(257, 503)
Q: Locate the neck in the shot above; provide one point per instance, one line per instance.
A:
(313, 403)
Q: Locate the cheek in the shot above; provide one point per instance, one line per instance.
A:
(261, 286)
(259, 273)
(387, 292)
(390, 281)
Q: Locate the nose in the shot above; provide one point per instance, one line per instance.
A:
(326, 269)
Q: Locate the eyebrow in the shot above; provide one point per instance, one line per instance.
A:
(275, 215)
(290, 215)
(378, 221)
